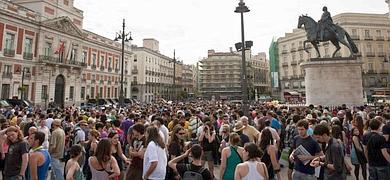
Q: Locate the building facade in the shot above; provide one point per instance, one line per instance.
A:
(189, 80)
(46, 56)
(152, 73)
(371, 34)
(220, 75)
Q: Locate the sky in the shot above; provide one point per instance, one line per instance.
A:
(192, 27)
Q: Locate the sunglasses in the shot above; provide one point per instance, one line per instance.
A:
(182, 133)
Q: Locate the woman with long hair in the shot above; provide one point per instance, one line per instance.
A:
(176, 147)
(358, 123)
(358, 158)
(116, 150)
(251, 168)
(155, 158)
(136, 152)
(103, 165)
(269, 150)
(231, 156)
(207, 138)
(90, 149)
(72, 169)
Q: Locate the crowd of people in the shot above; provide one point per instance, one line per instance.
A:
(195, 140)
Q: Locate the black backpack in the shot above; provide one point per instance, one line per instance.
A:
(193, 175)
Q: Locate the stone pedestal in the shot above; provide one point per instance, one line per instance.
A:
(333, 81)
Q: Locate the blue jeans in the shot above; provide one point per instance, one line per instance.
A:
(379, 173)
(56, 169)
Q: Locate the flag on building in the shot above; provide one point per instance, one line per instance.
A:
(61, 48)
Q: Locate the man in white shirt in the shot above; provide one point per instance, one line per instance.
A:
(49, 121)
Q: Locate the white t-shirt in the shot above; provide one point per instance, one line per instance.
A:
(45, 130)
(48, 123)
(155, 153)
(165, 131)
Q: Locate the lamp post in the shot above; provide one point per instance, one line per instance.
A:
(244, 85)
(174, 75)
(24, 70)
(125, 37)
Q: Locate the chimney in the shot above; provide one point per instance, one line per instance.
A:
(231, 49)
(210, 52)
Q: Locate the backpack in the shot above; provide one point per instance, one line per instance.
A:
(193, 175)
(73, 135)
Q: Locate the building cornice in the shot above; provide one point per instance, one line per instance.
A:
(135, 49)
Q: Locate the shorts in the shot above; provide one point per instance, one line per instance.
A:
(208, 156)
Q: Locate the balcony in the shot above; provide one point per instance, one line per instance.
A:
(371, 71)
(284, 52)
(294, 77)
(293, 50)
(284, 64)
(93, 81)
(9, 52)
(359, 54)
(300, 48)
(27, 55)
(50, 60)
(294, 62)
(355, 37)
(380, 38)
(109, 69)
(134, 71)
(370, 54)
(84, 80)
(7, 75)
(109, 82)
(116, 82)
(368, 38)
(102, 68)
(381, 54)
(116, 70)
(384, 71)
(93, 66)
(101, 82)
(134, 83)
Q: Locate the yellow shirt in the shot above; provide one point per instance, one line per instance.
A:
(170, 125)
(13, 121)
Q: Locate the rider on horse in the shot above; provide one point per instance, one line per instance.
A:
(326, 22)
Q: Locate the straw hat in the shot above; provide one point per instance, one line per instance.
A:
(238, 126)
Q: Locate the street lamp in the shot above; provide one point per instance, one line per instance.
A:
(242, 46)
(27, 71)
(125, 37)
(174, 74)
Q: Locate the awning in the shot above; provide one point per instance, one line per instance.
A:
(292, 93)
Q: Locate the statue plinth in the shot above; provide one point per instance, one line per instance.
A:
(333, 81)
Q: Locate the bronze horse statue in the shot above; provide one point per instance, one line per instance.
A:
(336, 36)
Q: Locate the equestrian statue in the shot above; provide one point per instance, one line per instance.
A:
(325, 30)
